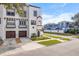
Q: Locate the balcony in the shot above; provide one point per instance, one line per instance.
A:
(22, 26)
(10, 25)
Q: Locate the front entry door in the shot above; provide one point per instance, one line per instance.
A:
(38, 33)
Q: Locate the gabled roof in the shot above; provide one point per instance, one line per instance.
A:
(39, 17)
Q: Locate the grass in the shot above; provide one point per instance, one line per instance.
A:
(50, 42)
(76, 36)
(39, 38)
(65, 34)
(67, 39)
(47, 34)
(56, 37)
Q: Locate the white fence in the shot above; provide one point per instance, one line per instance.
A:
(60, 31)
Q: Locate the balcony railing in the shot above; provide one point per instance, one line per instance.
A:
(22, 26)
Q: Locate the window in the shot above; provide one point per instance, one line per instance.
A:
(10, 13)
(25, 14)
(35, 13)
(33, 22)
(39, 23)
(22, 22)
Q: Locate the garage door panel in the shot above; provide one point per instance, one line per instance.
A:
(10, 34)
(22, 33)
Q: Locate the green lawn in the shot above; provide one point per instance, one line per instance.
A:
(56, 37)
(39, 38)
(47, 34)
(50, 42)
(76, 36)
(67, 39)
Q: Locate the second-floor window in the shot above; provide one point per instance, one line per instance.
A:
(35, 13)
(22, 23)
(33, 22)
(39, 23)
(10, 13)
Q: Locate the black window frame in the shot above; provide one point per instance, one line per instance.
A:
(33, 22)
(10, 13)
(35, 13)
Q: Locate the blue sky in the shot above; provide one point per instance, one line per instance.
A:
(57, 12)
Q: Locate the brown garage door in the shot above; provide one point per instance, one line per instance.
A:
(10, 34)
(22, 33)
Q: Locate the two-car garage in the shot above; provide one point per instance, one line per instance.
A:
(12, 34)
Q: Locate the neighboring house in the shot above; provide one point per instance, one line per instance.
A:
(60, 27)
(14, 26)
(64, 25)
(50, 27)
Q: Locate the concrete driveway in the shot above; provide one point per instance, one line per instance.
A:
(70, 48)
(26, 47)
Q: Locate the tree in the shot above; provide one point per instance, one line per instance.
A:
(76, 22)
(18, 6)
(76, 19)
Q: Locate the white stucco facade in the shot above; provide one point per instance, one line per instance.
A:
(16, 28)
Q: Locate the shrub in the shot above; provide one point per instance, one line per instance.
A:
(72, 31)
(33, 35)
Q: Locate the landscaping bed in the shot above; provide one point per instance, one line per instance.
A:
(50, 42)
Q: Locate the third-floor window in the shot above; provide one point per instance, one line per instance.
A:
(10, 13)
(35, 13)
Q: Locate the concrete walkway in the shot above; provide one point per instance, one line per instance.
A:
(70, 48)
(26, 47)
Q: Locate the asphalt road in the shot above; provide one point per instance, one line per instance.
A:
(70, 48)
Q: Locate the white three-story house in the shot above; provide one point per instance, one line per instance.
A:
(14, 26)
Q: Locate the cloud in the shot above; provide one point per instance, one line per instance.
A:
(56, 19)
(58, 6)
